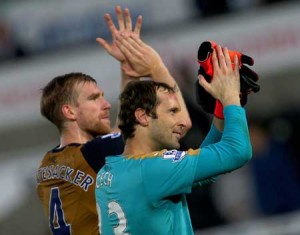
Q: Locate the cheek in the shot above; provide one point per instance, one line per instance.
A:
(87, 114)
(83, 119)
(163, 130)
(90, 110)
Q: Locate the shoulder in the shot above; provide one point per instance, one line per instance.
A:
(111, 144)
(174, 155)
(73, 148)
(97, 149)
(178, 155)
(107, 139)
(111, 136)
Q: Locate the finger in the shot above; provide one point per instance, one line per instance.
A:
(110, 24)
(132, 41)
(128, 70)
(206, 76)
(128, 23)
(123, 49)
(236, 65)
(227, 57)
(120, 18)
(138, 25)
(221, 57)
(128, 50)
(104, 44)
(135, 49)
(204, 83)
(214, 60)
(136, 42)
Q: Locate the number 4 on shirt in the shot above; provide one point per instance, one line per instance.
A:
(57, 221)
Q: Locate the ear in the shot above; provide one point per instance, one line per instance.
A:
(68, 112)
(141, 117)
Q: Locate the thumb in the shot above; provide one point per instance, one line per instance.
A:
(104, 44)
(128, 70)
(202, 81)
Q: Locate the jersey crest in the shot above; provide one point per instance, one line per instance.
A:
(175, 155)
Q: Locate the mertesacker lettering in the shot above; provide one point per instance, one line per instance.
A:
(66, 173)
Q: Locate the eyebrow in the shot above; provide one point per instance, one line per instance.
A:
(95, 95)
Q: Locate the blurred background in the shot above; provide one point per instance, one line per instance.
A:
(42, 39)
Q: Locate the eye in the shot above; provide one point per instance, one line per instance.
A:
(94, 97)
(174, 110)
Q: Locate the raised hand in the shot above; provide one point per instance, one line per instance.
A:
(142, 59)
(248, 76)
(225, 85)
(125, 25)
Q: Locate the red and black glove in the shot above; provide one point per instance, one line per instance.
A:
(247, 76)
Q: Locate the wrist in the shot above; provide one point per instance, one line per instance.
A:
(160, 73)
(158, 68)
(233, 100)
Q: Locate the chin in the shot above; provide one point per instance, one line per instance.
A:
(106, 131)
(174, 146)
(103, 130)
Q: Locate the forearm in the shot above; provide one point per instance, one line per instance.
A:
(231, 152)
(214, 135)
(219, 124)
(125, 79)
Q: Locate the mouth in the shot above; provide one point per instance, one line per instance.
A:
(177, 134)
(105, 115)
(106, 119)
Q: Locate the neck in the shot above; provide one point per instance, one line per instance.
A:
(74, 135)
(137, 145)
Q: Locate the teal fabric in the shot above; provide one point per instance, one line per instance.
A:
(146, 194)
(232, 152)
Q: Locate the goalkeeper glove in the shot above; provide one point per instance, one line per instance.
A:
(247, 76)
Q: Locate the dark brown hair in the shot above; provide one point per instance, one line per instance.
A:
(138, 94)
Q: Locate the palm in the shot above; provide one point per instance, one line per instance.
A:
(115, 52)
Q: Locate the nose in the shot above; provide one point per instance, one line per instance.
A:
(185, 124)
(106, 104)
(182, 124)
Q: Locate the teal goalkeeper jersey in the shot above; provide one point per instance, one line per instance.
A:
(145, 194)
(139, 198)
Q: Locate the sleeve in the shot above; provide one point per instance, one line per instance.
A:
(175, 172)
(213, 136)
(167, 175)
(96, 150)
(231, 152)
